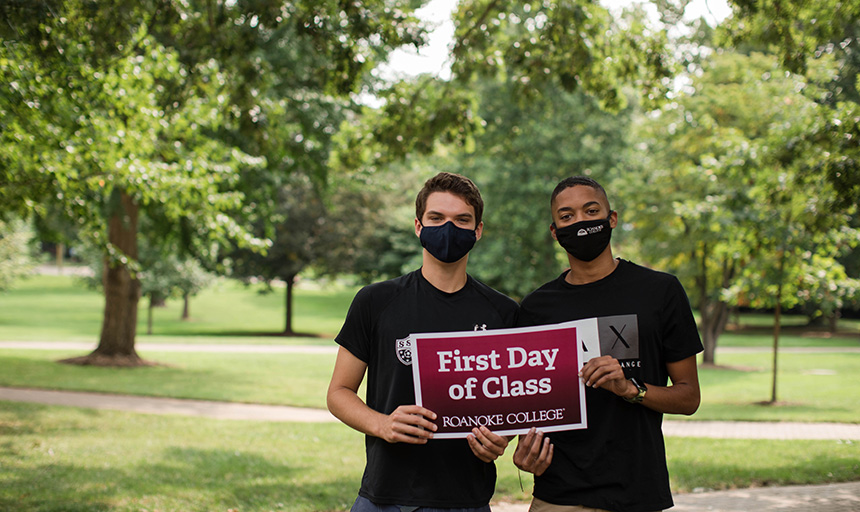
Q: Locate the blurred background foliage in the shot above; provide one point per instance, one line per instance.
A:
(257, 139)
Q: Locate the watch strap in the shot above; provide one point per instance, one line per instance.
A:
(639, 396)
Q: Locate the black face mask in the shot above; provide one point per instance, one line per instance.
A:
(447, 242)
(585, 240)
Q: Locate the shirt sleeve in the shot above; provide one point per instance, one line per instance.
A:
(680, 334)
(357, 329)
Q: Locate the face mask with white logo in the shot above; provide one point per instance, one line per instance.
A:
(585, 240)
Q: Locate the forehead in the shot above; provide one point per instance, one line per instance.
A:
(448, 203)
(577, 197)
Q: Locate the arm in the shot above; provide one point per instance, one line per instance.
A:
(407, 424)
(682, 397)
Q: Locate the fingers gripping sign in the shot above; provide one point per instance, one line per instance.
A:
(605, 372)
(486, 445)
(411, 424)
(533, 453)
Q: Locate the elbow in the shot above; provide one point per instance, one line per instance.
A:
(337, 401)
(692, 405)
(689, 411)
(330, 402)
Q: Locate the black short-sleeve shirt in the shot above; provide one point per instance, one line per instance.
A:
(444, 472)
(619, 462)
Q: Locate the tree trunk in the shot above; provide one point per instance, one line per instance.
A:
(777, 318)
(833, 321)
(714, 313)
(58, 253)
(122, 293)
(158, 299)
(186, 306)
(149, 314)
(714, 317)
(288, 328)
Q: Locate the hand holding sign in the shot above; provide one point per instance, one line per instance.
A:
(605, 372)
(486, 445)
(533, 453)
(408, 424)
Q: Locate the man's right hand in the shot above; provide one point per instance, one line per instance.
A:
(408, 424)
(533, 453)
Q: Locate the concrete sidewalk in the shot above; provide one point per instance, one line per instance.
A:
(261, 412)
(802, 498)
(329, 348)
(155, 405)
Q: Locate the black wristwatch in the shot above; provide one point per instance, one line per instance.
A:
(642, 390)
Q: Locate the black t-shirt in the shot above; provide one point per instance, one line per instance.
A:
(444, 472)
(619, 462)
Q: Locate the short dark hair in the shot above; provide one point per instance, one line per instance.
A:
(454, 183)
(574, 181)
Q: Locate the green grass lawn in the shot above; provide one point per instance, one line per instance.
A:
(60, 459)
(281, 379)
(764, 339)
(811, 387)
(56, 308)
(69, 459)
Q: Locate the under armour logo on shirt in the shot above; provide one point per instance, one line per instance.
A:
(482, 327)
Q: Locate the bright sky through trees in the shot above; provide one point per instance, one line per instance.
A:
(433, 57)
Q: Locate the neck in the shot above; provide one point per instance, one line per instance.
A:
(446, 277)
(584, 272)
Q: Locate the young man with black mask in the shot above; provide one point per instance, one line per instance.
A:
(406, 468)
(619, 462)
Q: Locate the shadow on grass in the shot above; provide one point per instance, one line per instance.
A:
(268, 334)
(804, 331)
(777, 463)
(178, 478)
(180, 375)
(234, 333)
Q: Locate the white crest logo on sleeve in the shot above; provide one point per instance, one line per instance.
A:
(403, 349)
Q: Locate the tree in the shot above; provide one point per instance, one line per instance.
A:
(800, 33)
(796, 238)
(169, 276)
(163, 273)
(521, 73)
(300, 237)
(527, 147)
(704, 207)
(115, 108)
(794, 30)
(534, 46)
(576, 45)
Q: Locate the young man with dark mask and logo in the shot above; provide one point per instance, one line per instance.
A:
(406, 468)
(647, 337)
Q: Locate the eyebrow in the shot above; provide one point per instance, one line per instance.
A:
(465, 215)
(586, 205)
